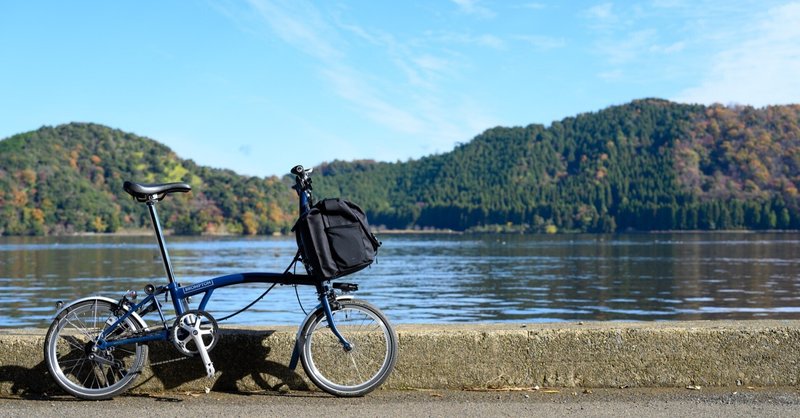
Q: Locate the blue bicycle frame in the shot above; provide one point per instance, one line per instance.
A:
(179, 294)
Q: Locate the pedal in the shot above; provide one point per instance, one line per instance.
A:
(210, 370)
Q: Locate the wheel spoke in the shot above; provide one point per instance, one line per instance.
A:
(78, 328)
(355, 366)
(102, 377)
(88, 375)
(73, 342)
(81, 363)
(125, 350)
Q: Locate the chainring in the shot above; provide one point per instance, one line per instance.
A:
(194, 321)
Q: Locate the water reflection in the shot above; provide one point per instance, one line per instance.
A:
(438, 279)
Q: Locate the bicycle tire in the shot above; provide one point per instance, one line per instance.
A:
(68, 351)
(355, 372)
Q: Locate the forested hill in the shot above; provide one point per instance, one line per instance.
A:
(647, 165)
(68, 179)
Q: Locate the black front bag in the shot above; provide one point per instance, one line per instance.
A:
(335, 239)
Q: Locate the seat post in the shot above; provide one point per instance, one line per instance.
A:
(151, 206)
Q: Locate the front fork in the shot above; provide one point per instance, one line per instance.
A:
(327, 302)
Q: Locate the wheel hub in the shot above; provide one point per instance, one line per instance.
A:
(90, 348)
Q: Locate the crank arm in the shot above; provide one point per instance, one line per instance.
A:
(201, 348)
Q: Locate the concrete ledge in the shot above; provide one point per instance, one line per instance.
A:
(673, 354)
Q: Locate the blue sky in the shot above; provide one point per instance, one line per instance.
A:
(260, 85)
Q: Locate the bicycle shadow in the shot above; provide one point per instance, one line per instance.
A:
(243, 363)
(28, 383)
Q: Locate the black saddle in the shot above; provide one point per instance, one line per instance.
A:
(145, 192)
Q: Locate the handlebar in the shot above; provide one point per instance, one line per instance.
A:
(303, 186)
(302, 178)
(298, 170)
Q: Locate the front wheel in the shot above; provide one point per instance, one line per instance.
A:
(353, 372)
(78, 365)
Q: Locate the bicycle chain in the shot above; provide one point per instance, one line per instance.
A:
(158, 363)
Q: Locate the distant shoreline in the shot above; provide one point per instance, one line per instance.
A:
(147, 232)
(418, 232)
(142, 232)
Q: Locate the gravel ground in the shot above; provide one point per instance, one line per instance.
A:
(712, 402)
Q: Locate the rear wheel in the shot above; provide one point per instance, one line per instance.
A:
(78, 366)
(353, 372)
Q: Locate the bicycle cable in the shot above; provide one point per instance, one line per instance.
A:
(248, 306)
(296, 293)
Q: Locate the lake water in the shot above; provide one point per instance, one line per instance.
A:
(436, 278)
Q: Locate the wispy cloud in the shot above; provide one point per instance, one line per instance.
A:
(657, 41)
(412, 107)
(542, 43)
(312, 34)
(485, 40)
(621, 50)
(474, 7)
(675, 47)
(348, 84)
(432, 64)
(534, 6)
(601, 15)
(613, 75)
(759, 66)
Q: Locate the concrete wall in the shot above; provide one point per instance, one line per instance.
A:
(670, 354)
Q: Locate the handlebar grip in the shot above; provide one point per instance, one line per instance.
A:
(301, 172)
